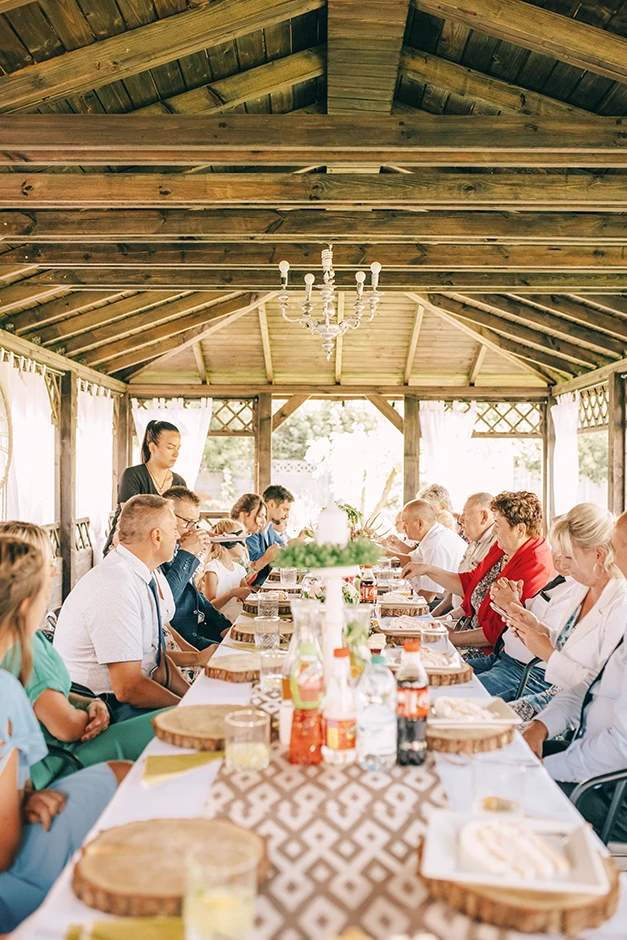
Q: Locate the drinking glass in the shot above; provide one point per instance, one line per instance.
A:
(289, 575)
(499, 786)
(247, 739)
(220, 889)
(271, 672)
(267, 635)
(434, 640)
(268, 603)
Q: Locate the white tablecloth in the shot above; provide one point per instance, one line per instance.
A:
(190, 795)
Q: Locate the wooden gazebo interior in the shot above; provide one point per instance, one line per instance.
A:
(160, 157)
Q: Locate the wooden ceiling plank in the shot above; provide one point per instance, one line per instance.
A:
(423, 67)
(477, 364)
(36, 318)
(375, 226)
(258, 254)
(413, 342)
(6, 5)
(534, 338)
(612, 305)
(15, 295)
(322, 390)
(287, 410)
(546, 321)
(387, 410)
(209, 279)
(265, 341)
(422, 189)
(364, 45)
(572, 310)
(531, 27)
(147, 47)
(308, 139)
(201, 365)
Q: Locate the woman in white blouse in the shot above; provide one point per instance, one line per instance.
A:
(224, 578)
(576, 645)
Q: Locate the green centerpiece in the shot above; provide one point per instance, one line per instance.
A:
(358, 551)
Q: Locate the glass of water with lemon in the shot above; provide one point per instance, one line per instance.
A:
(220, 891)
(247, 740)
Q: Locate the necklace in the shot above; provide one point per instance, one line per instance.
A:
(166, 482)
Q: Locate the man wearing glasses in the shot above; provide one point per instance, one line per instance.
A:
(196, 619)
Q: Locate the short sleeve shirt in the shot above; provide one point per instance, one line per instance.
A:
(441, 548)
(48, 672)
(18, 728)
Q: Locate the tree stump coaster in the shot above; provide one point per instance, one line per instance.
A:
(251, 606)
(138, 870)
(529, 911)
(197, 727)
(470, 741)
(244, 667)
(243, 633)
(456, 677)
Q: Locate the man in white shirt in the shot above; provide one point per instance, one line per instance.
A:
(598, 710)
(437, 545)
(477, 523)
(109, 632)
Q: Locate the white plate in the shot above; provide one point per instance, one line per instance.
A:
(441, 858)
(504, 715)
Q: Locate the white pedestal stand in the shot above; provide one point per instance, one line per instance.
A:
(334, 611)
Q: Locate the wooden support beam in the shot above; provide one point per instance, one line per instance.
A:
(425, 188)
(29, 290)
(475, 368)
(198, 313)
(615, 306)
(339, 342)
(548, 462)
(298, 140)
(572, 354)
(6, 5)
(616, 443)
(287, 410)
(265, 342)
(257, 254)
(122, 434)
(427, 69)
(201, 365)
(67, 471)
(413, 342)
(551, 34)
(375, 227)
(36, 319)
(246, 279)
(532, 316)
(159, 389)
(387, 410)
(579, 312)
(263, 441)
(137, 50)
(411, 448)
(364, 45)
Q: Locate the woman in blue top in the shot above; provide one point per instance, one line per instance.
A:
(40, 830)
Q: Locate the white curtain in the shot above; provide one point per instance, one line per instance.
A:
(31, 481)
(192, 420)
(565, 415)
(446, 437)
(94, 463)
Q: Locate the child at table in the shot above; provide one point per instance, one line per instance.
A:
(41, 829)
(224, 576)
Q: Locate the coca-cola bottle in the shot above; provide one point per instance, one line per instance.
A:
(412, 706)
(368, 588)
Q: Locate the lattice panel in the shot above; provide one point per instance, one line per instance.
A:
(229, 416)
(594, 408)
(506, 418)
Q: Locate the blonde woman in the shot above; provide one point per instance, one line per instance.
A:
(577, 644)
(224, 578)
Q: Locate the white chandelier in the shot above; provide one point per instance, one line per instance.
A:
(326, 325)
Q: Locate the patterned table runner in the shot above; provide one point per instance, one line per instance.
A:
(342, 848)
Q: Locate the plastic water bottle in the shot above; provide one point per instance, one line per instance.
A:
(340, 725)
(376, 717)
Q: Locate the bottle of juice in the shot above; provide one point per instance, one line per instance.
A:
(307, 687)
(412, 705)
(306, 615)
(340, 714)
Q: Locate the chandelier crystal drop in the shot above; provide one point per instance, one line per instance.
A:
(325, 325)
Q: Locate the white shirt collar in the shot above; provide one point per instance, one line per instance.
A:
(135, 563)
(436, 529)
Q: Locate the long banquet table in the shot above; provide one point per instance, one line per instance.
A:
(197, 794)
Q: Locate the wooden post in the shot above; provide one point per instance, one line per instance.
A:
(67, 468)
(263, 441)
(548, 455)
(121, 441)
(411, 448)
(616, 444)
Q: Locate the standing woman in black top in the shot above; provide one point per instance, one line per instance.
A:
(159, 452)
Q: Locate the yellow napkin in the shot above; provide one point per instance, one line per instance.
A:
(130, 928)
(167, 766)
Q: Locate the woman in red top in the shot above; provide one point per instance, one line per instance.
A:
(519, 553)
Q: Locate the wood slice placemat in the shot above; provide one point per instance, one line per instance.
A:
(245, 632)
(138, 870)
(251, 606)
(235, 668)
(470, 740)
(529, 911)
(200, 727)
(451, 677)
